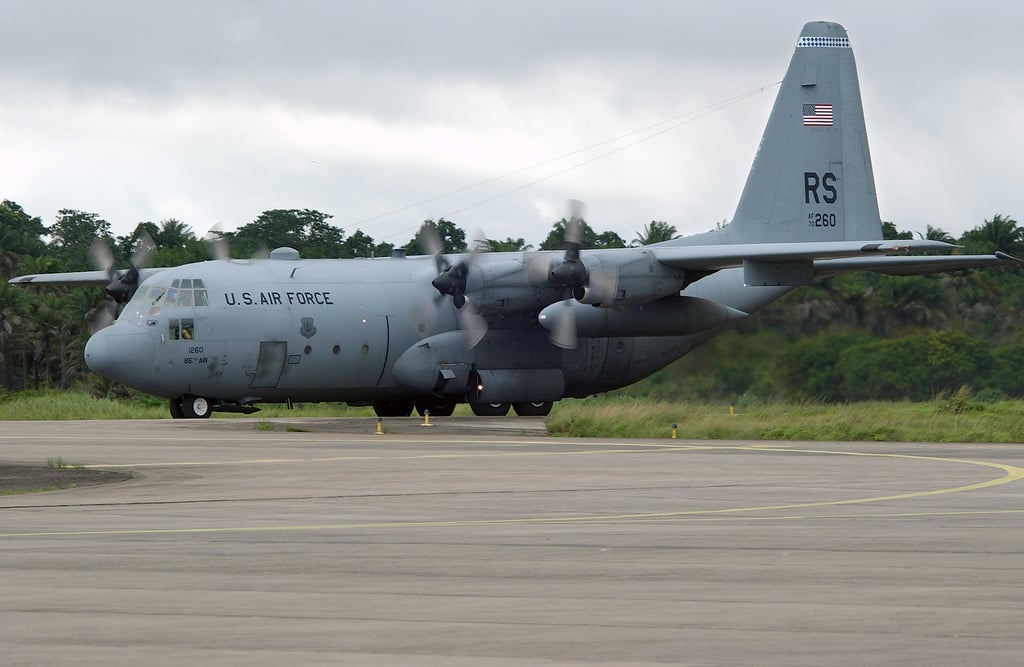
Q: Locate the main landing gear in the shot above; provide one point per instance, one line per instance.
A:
(533, 408)
(443, 407)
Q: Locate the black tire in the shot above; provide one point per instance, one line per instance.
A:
(533, 408)
(489, 409)
(175, 405)
(195, 407)
(392, 408)
(439, 407)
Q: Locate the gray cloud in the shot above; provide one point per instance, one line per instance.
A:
(213, 112)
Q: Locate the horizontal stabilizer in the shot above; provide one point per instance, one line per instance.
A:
(714, 257)
(911, 266)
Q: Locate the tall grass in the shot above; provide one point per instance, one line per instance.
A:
(52, 404)
(956, 419)
(941, 420)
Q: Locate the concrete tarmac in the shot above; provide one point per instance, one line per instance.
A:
(483, 542)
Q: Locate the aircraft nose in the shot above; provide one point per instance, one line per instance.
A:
(114, 352)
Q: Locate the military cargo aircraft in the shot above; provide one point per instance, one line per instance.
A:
(521, 330)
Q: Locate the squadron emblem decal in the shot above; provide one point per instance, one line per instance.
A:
(308, 328)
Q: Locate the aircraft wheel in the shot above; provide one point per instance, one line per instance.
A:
(195, 407)
(395, 408)
(439, 407)
(489, 409)
(175, 406)
(533, 408)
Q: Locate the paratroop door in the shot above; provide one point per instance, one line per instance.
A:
(271, 362)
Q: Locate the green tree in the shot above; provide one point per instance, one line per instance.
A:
(452, 239)
(20, 236)
(936, 234)
(889, 231)
(917, 367)
(609, 240)
(999, 233)
(588, 237)
(383, 249)
(72, 235)
(306, 230)
(555, 239)
(358, 245)
(909, 301)
(656, 231)
(810, 366)
(508, 245)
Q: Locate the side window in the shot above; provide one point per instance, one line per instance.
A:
(183, 329)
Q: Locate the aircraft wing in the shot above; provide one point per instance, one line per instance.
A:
(69, 278)
(76, 277)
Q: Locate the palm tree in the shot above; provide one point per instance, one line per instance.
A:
(937, 234)
(999, 233)
(655, 232)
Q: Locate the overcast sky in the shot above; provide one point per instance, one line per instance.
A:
(212, 112)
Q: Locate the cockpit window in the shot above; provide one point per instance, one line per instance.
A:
(150, 296)
(184, 292)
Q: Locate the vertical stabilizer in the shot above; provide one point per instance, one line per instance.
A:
(812, 179)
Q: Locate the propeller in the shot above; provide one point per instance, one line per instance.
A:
(452, 281)
(571, 272)
(595, 285)
(219, 247)
(123, 283)
(216, 243)
(564, 333)
(101, 316)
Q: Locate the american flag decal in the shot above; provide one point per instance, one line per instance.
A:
(817, 115)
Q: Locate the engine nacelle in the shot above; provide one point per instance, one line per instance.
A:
(671, 316)
(440, 364)
(626, 276)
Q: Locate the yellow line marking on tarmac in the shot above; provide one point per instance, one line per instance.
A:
(618, 449)
(1010, 474)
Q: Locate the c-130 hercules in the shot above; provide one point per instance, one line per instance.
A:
(517, 329)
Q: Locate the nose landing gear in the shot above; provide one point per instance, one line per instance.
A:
(190, 407)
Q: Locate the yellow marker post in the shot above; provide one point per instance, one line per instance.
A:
(380, 426)
(426, 418)
(674, 427)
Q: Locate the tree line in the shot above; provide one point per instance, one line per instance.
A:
(43, 330)
(853, 337)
